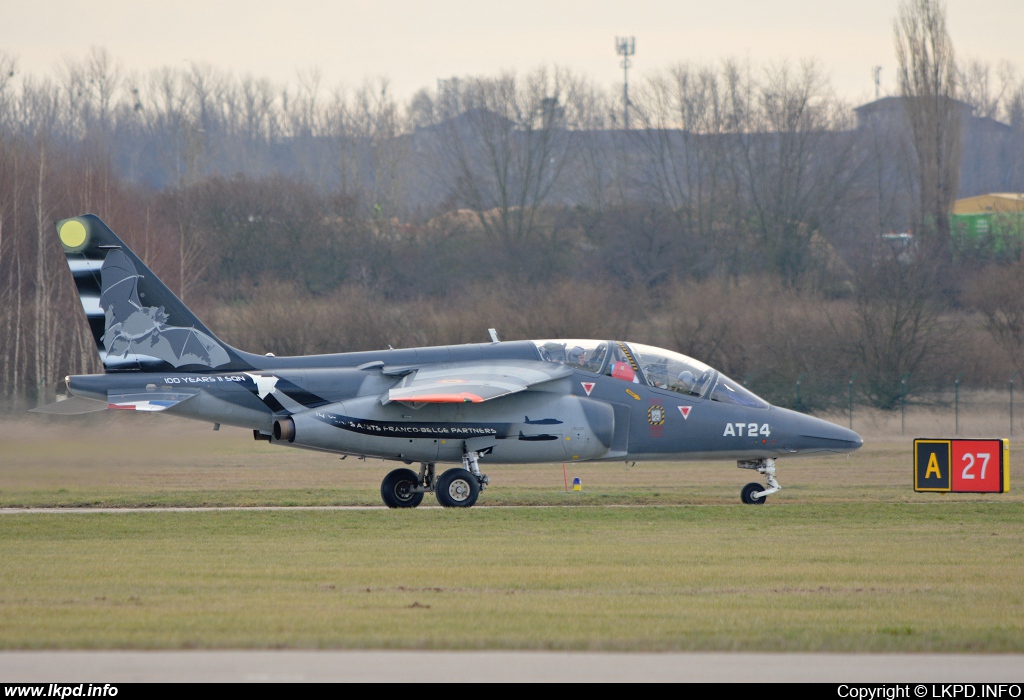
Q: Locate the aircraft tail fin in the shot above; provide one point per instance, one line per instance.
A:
(137, 322)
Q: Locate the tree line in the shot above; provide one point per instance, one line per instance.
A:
(737, 218)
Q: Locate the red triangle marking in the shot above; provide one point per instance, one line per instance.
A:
(588, 387)
(685, 410)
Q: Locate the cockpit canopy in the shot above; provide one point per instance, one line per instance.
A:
(658, 368)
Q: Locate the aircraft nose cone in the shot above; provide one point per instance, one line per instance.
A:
(819, 434)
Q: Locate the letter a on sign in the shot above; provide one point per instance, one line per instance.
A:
(932, 460)
(588, 387)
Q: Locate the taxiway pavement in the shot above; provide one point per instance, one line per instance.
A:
(502, 666)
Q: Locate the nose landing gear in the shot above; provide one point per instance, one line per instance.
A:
(753, 493)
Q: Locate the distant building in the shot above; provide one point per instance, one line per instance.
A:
(892, 110)
(990, 225)
(993, 152)
(997, 202)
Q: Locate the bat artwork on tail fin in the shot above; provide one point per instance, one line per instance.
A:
(136, 321)
(132, 329)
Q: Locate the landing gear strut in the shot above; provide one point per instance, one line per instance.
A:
(752, 493)
(471, 461)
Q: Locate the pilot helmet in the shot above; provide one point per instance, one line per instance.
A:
(687, 379)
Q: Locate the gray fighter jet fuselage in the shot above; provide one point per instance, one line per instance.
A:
(498, 402)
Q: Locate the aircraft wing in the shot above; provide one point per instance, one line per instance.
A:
(72, 406)
(142, 401)
(472, 382)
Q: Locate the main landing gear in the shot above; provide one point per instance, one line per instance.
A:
(753, 493)
(456, 488)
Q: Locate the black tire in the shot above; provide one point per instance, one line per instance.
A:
(457, 488)
(394, 490)
(747, 494)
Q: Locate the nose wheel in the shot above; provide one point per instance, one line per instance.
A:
(753, 493)
(747, 495)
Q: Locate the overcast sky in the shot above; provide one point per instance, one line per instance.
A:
(414, 43)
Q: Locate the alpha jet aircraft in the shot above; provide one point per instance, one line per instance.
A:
(467, 405)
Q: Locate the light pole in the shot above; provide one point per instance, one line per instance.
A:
(625, 47)
(956, 401)
(903, 403)
(1011, 400)
(852, 377)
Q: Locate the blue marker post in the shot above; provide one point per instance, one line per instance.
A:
(577, 485)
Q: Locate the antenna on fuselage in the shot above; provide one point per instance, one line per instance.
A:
(494, 335)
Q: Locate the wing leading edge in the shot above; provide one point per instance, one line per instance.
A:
(472, 382)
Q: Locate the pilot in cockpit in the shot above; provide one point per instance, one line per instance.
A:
(686, 382)
(586, 355)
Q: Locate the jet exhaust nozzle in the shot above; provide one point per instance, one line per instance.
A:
(284, 429)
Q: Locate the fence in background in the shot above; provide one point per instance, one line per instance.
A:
(952, 409)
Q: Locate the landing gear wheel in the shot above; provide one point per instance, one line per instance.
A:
(747, 494)
(396, 489)
(457, 488)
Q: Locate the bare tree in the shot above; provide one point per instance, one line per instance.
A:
(103, 81)
(894, 328)
(597, 167)
(257, 109)
(797, 162)
(383, 124)
(887, 177)
(1015, 107)
(505, 143)
(683, 119)
(998, 295)
(368, 129)
(928, 83)
(974, 79)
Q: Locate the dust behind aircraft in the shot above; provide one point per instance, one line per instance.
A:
(468, 405)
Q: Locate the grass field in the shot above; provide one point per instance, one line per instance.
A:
(846, 558)
(152, 460)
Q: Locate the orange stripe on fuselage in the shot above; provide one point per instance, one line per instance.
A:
(461, 397)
